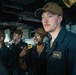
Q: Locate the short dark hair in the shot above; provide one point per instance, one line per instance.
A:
(18, 31)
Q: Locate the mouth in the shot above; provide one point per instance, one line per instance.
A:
(46, 25)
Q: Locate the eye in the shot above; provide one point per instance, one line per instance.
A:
(50, 16)
(38, 36)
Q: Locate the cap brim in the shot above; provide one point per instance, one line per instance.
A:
(38, 12)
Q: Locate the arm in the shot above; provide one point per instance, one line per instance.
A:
(22, 58)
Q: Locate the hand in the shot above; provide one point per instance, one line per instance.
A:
(23, 52)
(12, 41)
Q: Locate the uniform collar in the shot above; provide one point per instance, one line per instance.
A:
(58, 40)
(61, 35)
(19, 42)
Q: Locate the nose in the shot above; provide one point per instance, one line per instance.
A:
(35, 38)
(45, 20)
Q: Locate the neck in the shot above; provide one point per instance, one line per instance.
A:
(17, 41)
(54, 34)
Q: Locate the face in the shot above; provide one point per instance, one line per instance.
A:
(16, 36)
(50, 22)
(38, 38)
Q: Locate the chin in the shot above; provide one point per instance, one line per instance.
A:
(46, 29)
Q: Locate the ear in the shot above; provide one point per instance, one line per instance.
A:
(60, 19)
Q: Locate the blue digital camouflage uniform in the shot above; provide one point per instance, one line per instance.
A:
(62, 55)
(5, 56)
(3, 70)
(37, 63)
(15, 50)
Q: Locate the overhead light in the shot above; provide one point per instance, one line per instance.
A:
(69, 3)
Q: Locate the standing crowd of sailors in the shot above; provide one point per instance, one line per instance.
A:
(56, 56)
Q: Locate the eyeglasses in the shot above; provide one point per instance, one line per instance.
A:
(37, 36)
